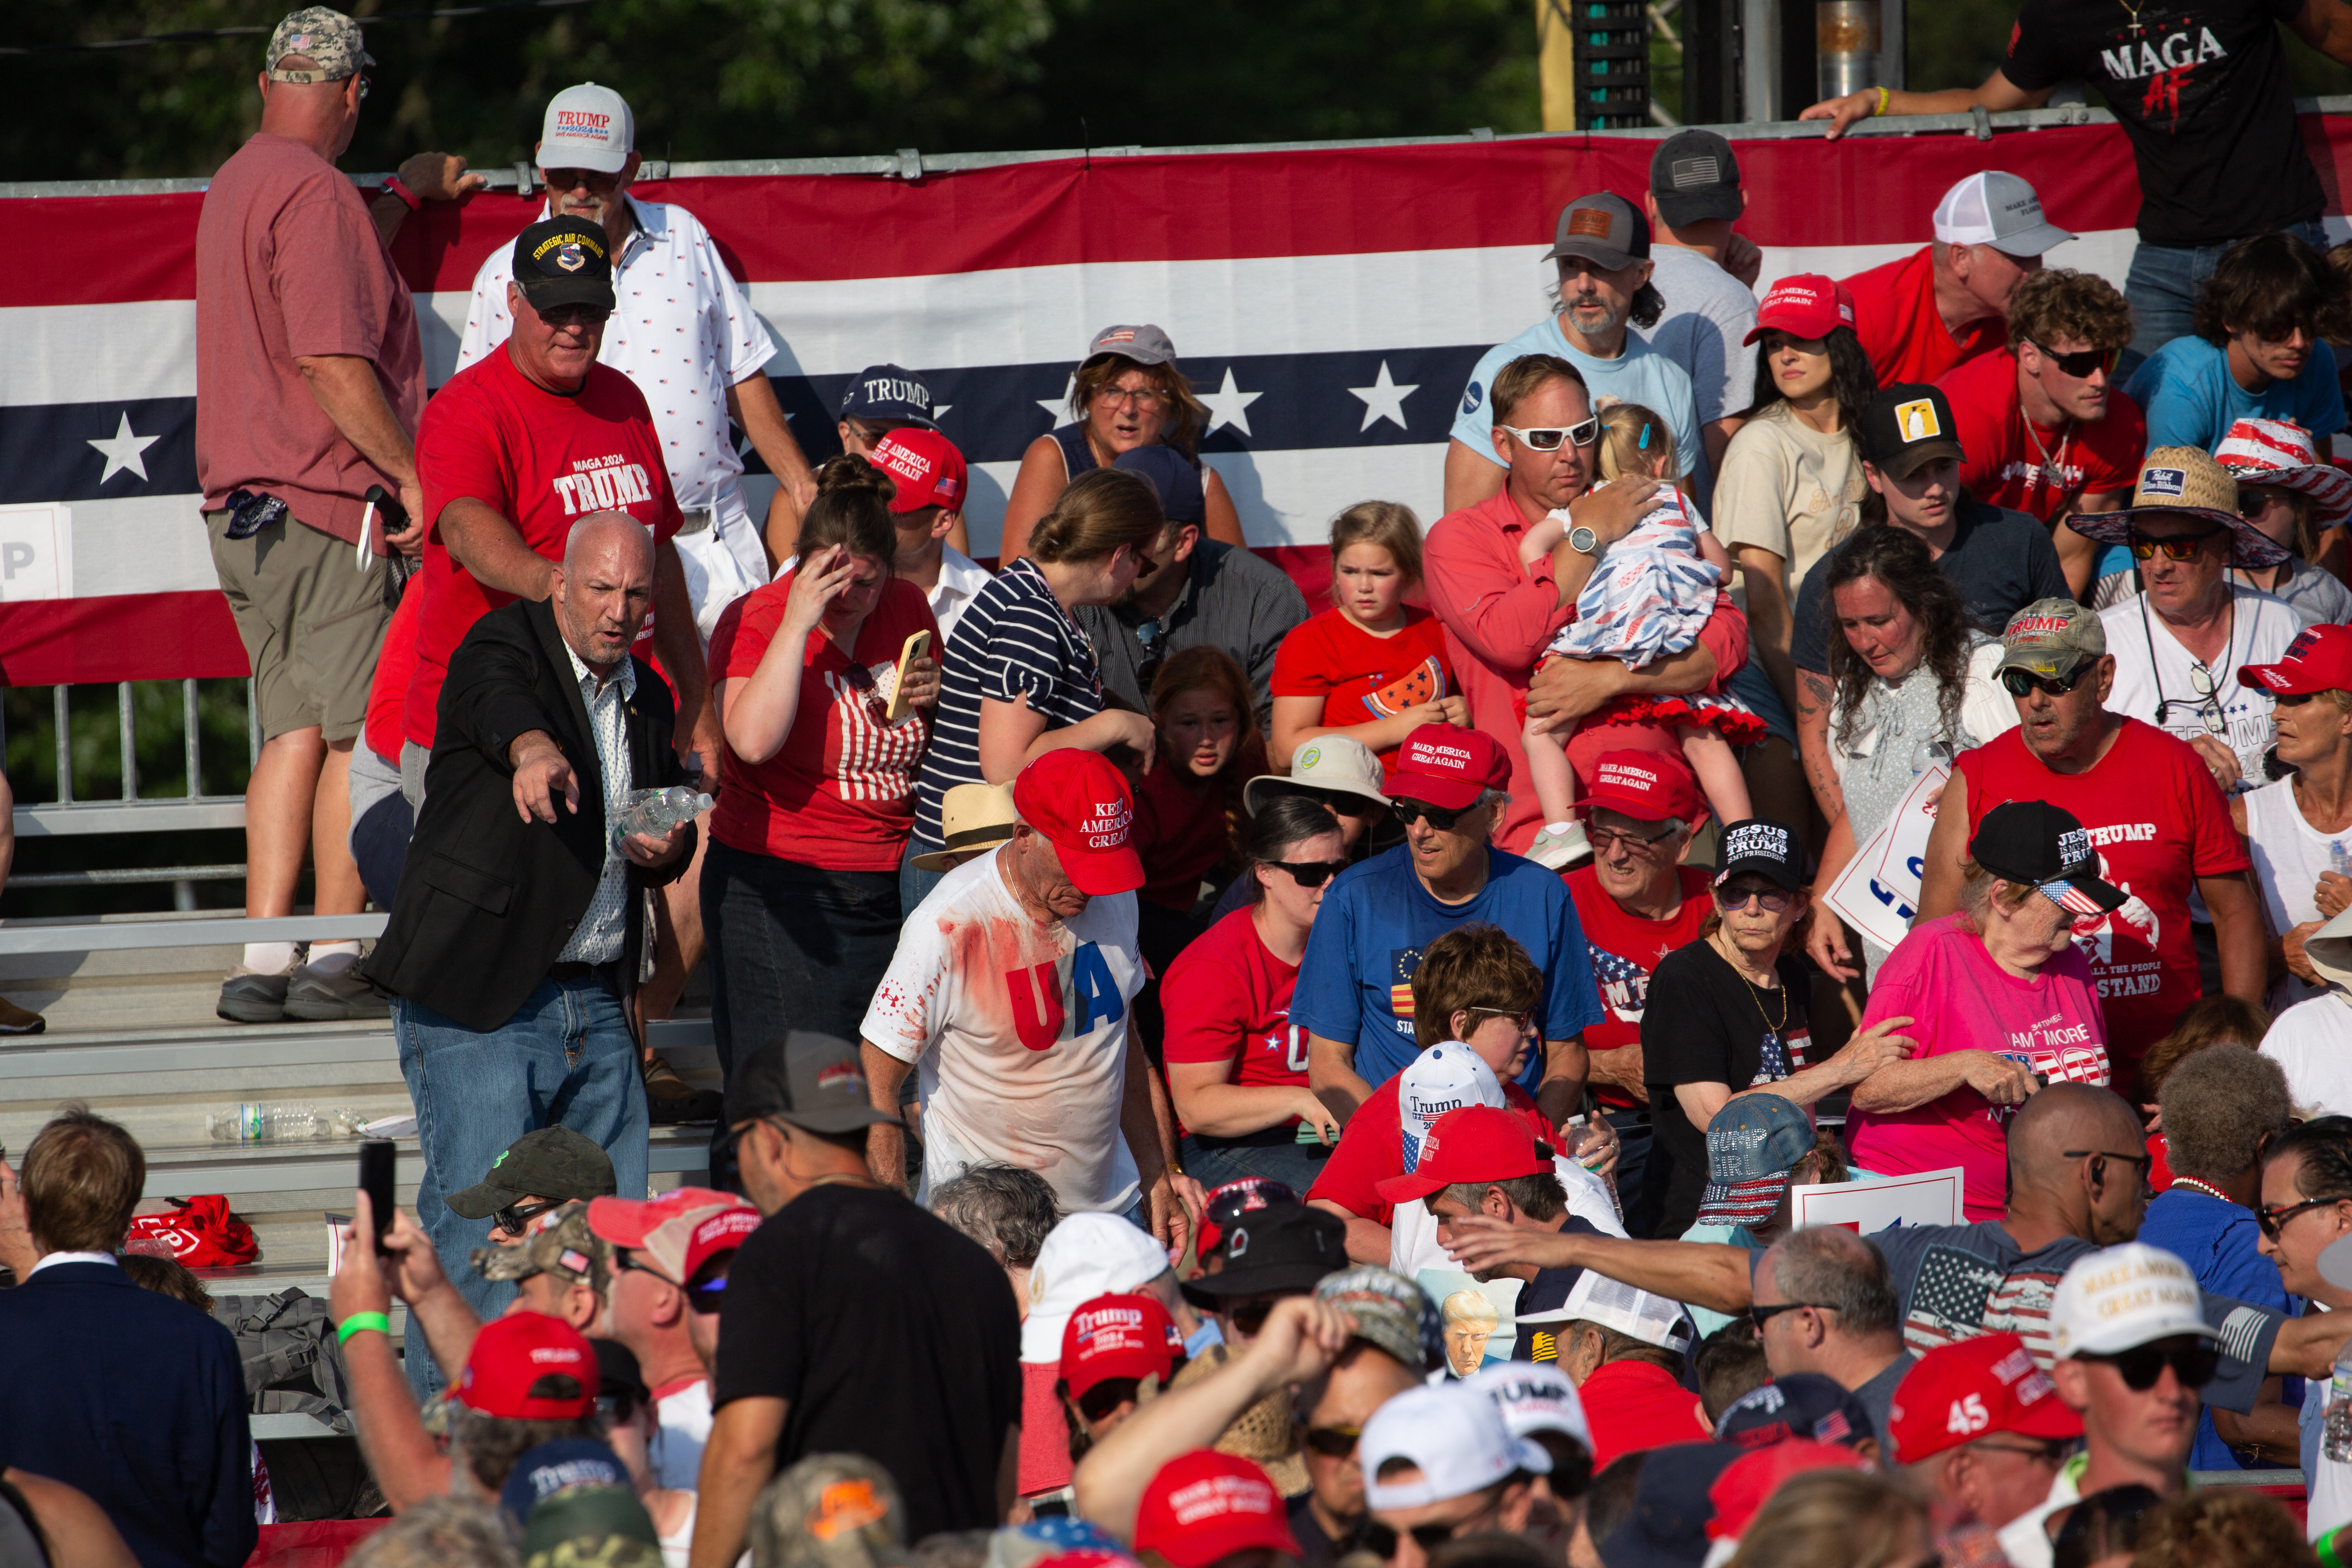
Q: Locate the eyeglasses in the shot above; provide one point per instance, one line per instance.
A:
(1101, 1402)
(1150, 633)
(1332, 1442)
(575, 315)
(707, 1297)
(2255, 500)
(512, 1217)
(1248, 1313)
(1760, 1316)
(2206, 704)
(1547, 437)
(1309, 873)
(2175, 546)
(2052, 1453)
(1143, 397)
(1606, 838)
(2020, 683)
(2274, 1220)
(616, 1408)
(1382, 1541)
(599, 184)
(2142, 1162)
(1524, 1018)
(1772, 901)
(1408, 812)
(2292, 699)
(2193, 1363)
(2081, 361)
(627, 1259)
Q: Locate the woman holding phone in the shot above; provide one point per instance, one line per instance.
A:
(800, 889)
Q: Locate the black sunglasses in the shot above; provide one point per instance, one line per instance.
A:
(2144, 1164)
(2292, 699)
(2193, 1363)
(575, 315)
(1100, 1402)
(1249, 1313)
(1760, 1316)
(1332, 1442)
(1409, 811)
(2081, 361)
(1309, 873)
(707, 1297)
(512, 1217)
(1774, 901)
(1382, 1541)
(2022, 682)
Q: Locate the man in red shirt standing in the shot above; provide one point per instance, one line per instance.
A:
(2045, 429)
(519, 446)
(1500, 616)
(309, 379)
(1945, 303)
(1637, 902)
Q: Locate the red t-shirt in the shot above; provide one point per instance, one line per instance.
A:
(1180, 826)
(1894, 316)
(1632, 1405)
(539, 461)
(1371, 1150)
(2005, 467)
(388, 691)
(1625, 949)
(839, 794)
(1227, 999)
(1361, 676)
(2159, 822)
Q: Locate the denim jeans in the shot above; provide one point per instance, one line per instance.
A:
(1632, 1158)
(915, 884)
(1212, 1161)
(792, 947)
(2163, 284)
(565, 1058)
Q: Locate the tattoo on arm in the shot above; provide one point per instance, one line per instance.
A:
(1814, 692)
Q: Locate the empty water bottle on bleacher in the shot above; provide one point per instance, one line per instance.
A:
(282, 1124)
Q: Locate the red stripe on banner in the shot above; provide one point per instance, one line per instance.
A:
(120, 636)
(1163, 207)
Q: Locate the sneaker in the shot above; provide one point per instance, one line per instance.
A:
(249, 998)
(323, 998)
(1559, 851)
(670, 1100)
(15, 1020)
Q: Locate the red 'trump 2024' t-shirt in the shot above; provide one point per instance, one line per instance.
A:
(2159, 822)
(542, 461)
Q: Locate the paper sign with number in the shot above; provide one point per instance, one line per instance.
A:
(1927, 1197)
(1878, 892)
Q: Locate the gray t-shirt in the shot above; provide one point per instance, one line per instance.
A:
(1708, 312)
(1877, 1396)
(1231, 600)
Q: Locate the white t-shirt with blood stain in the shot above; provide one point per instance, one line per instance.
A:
(1019, 1031)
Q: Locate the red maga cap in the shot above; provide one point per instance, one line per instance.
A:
(1118, 1336)
(1447, 767)
(663, 1228)
(1747, 1483)
(2319, 659)
(1649, 786)
(513, 1355)
(723, 1232)
(1083, 806)
(1960, 1393)
(929, 469)
(1476, 1143)
(1204, 1505)
(1806, 306)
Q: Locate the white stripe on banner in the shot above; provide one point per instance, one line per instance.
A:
(98, 354)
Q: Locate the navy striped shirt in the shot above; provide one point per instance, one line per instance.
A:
(1015, 640)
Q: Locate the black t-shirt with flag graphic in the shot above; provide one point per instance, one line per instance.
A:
(2200, 88)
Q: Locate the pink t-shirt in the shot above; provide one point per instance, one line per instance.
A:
(1959, 999)
(287, 263)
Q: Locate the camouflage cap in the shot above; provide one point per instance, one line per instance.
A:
(591, 1527)
(830, 1511)
(329, 40)
(561, 1245)
(2050, 636)
(547, 1162)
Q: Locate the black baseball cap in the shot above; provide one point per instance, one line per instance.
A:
(564, 261)
(1694, 177)
(806, 1079)
(1282, 1247)
(1797, 1405)
(1764, 847)
(1908, 426)
(1672, 1505)
(2033, 842)
(1178, 482)
(891, 392)
(549, 1163)
(1605, 228)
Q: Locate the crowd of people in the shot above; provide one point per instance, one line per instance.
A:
(1353, 1068)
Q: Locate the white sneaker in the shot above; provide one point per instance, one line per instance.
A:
(1561, 846)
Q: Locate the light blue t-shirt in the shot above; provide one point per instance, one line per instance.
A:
(1641, 374)
(2191, 400)
(1355, 982)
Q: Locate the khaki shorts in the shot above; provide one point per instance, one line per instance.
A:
(311, 621)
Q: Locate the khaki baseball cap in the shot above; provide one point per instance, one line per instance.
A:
(329, 40)
(2050, 636)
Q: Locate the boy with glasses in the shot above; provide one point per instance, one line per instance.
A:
(2132, 1354)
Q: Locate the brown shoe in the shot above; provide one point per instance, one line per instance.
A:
(15, 1020)
(670, 1099)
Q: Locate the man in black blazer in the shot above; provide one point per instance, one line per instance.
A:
(134, 1398)
(516, 937)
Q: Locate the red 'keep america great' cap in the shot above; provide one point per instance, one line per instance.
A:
(1083, 806)
(1960, 1393)
(507, 1371)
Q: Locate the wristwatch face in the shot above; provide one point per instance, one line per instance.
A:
(1582, 540)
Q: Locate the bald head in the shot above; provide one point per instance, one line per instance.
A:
(2069, 1116)
(605, 587)
(608, 530)
(2077, 1160)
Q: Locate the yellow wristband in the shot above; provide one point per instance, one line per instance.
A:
(1881, 108)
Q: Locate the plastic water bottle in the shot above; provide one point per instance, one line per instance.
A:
(2337, 1442)
(654, 812)
(281, 1124)
(2337, 860)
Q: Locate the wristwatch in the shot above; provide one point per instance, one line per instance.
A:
(1583, 540)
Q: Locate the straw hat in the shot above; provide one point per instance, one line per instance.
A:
(973, 819)
(2280, 453)
(2177, 480)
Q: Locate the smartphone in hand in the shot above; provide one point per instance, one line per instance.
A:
(377, 1160)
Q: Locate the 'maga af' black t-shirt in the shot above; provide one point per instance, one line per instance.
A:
(890, 1335)
(1704, 1023)
(2200, 88)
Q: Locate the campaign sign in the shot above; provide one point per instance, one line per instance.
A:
(36, 551)
(1878, 892)
(1926, 1197)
